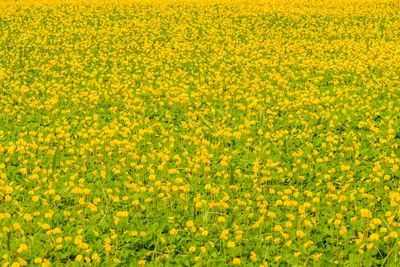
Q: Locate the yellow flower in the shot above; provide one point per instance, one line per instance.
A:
(45, 226)
(345, 167)
(221, 219)
(236, 261)
(231, 244)
(122, 214)
(374, 237)
(394, 235)
(300, 234)
(316, 256)
(22, 247)
(96, 257)
(224, 234)
(28, 217)
(308, 244)
(253, 256)
(365, 213)
(278, 228)
(343, 230)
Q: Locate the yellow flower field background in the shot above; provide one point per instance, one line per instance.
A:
(209, 133)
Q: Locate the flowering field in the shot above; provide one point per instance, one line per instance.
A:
(200, 133)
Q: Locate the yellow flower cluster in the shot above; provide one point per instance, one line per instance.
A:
(199, 133)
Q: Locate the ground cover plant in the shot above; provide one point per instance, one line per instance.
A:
(200, 133)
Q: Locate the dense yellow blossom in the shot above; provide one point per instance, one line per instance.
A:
(202, 133)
